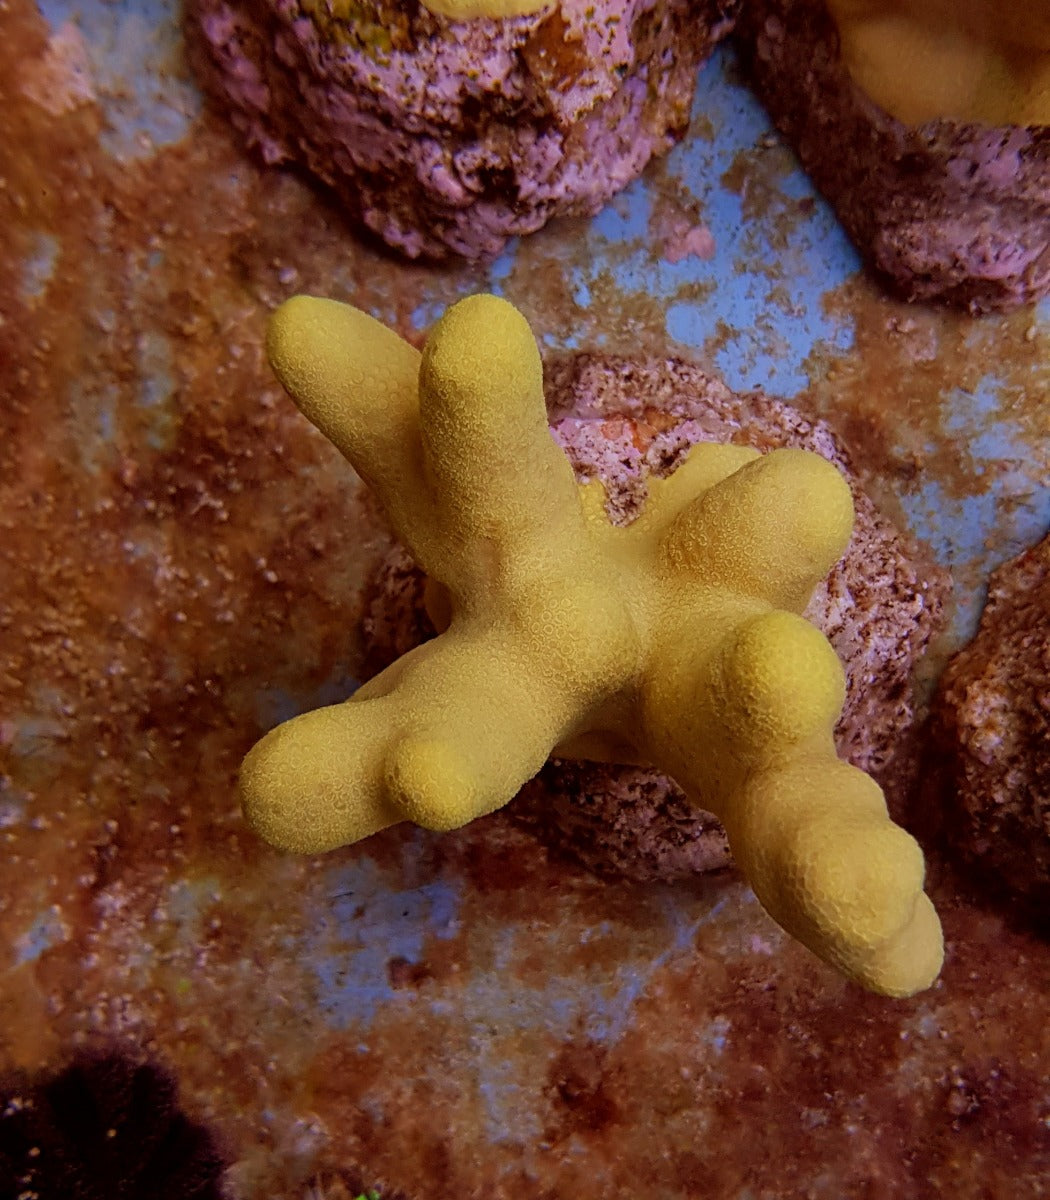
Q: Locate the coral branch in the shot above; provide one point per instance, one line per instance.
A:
(675, 641)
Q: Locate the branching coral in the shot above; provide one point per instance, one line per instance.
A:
(675, 641)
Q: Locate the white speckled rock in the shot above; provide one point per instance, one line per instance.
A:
(447, 137)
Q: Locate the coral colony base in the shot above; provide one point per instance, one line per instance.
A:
(675, 641)
(625, 421)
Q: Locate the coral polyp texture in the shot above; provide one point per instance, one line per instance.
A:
(675, 641)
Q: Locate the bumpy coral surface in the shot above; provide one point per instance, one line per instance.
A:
(625, 421)
(676, 641)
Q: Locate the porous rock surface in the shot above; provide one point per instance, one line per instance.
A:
(948, 211)
(992, 735)
(449, 137)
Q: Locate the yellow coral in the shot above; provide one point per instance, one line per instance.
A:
(969, 60)
(675, 641)
(468, 10)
